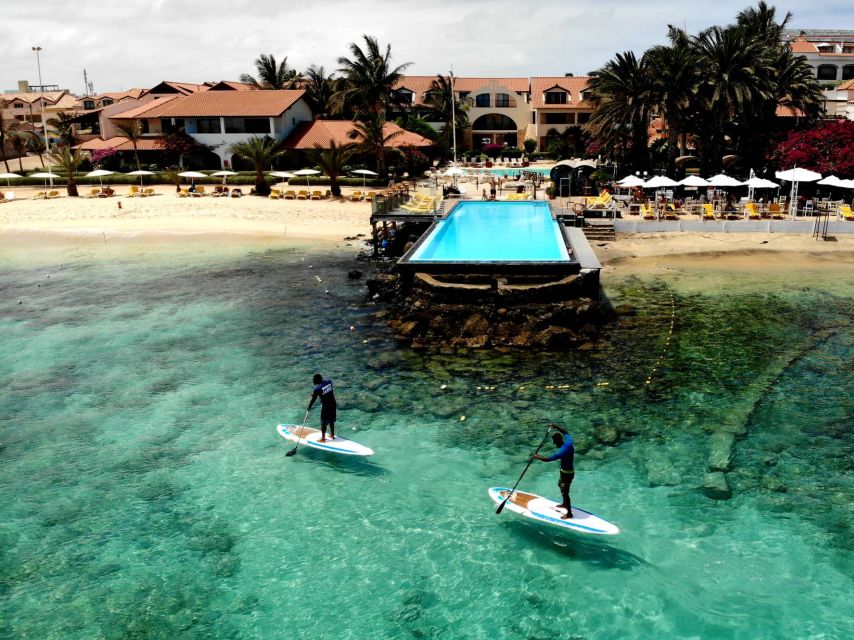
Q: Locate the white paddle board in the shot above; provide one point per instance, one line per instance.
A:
(306, 436)
(535, 508)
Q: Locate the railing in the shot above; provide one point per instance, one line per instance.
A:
(384, 203)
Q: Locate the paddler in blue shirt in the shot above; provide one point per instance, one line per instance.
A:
(566, 454)
(328, 406)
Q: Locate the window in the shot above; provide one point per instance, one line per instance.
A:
(464, 94)
(848, 72)
(555, 97)
(482, 100)
(404, 96)
(167, 126)
(583, 117)
(558, 118)
(88, 104)
(494, 122)
(503, 100)
(18, 105)
(826, 72)
(208, 125)
(247, 125)
(108, 101)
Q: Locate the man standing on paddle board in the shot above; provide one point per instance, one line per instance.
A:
(328, 406)
(566, 454)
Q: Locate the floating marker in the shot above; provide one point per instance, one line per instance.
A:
(462, 418)
(443, 387)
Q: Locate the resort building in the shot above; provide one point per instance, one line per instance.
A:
(25, 105)
(830, 52)
(507, 111)
(323, 133)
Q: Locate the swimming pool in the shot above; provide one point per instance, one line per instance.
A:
(502, 232)
(512, 172)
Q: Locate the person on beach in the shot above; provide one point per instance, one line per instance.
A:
(328, 406)
(566, 454)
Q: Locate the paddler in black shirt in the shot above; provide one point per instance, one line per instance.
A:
(328, 406)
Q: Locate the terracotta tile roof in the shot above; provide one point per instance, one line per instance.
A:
(32, 96)
(151, 109)
(419, 85)
(183, 88)
(848, 85)
(788, 112)
(802, 45)
(572, 85)
(66, 102)
(230, 85)
(232, 103)
(119, 143)
(323, 132)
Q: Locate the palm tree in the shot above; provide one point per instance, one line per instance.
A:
(445, 107)
(621, 93)
(261, 152)
(370, 80)
(319, 89)
(133, 132)
(673, 75)
(332, 162)
(36, 145)
(272, 75)
(7, 127)
(18, 140)
(760, 24)
(61, 125)
(374, 138)
(69, 160)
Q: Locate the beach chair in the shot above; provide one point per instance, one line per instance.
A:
(274, 194)
(134, 192)
(40, 195)
(370, 195)
(670, 212)
(52, 194)
(356, 196)
(290, 195)
(752, 211)
(647, 213)
(708, 212)
(183, 193)
(328, 194)
(148, 191)
(316, 195)
(94, 193)
(302, 194)
(198, 193)
(845, 213)
(776, 211)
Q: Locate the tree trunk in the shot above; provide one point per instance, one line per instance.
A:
(20, 165)
(3, 153)
(261, 186)
(71, 187)
(334, 187)
(136, 157)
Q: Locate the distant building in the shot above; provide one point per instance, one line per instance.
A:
(830, 52)
(25, 105)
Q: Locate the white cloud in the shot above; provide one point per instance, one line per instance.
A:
(140, 42)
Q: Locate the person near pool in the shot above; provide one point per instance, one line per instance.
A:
(328, 407)
(566, 454)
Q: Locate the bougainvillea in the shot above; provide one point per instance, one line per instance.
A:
(827, 148)
(99, 155)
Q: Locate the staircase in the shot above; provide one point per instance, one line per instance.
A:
(599, 230)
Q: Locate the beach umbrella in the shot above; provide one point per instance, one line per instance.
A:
(364, 173)
(281, 174)
(796, 176)
(99, 173)
(659, 182)
(830, 181)
(140, 173)
(9, 176)
(630, 181)
(722, 180)
(306, 173)
(46, 175)
(192, 175)
(694, 181)
(761, 183)
(224, 174)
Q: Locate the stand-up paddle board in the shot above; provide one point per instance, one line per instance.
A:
(309, 437)
(542, 510)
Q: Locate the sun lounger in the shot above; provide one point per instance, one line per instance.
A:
(302, 195)
(198, 193)
(52, 194)
(670, 213)
(845, 213)
(708, 212)
(647, 213)
(356, 196)
(328, 193)
(148, 191)
(290, 195)
(183, 193)
(752, 211)
(370, 195)
(134, 192)
(776, 212)
(94, 193)
(274, 194)
(316, 195)
(237, 192)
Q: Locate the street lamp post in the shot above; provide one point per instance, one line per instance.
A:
(453, 117)
(44, 120)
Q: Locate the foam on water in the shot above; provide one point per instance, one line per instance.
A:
(144, 491)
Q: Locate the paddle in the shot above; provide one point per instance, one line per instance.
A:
(509, 495)
(304, 420)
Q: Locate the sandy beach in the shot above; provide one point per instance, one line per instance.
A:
(165, 217)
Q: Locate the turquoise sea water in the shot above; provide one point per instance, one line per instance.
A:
(144, 492)
(495, 231)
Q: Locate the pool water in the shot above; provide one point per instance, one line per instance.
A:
(494, 232)
(144, 491)
(509, 173)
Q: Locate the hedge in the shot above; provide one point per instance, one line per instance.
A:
(244, 178)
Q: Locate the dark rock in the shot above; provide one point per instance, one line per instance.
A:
(606, 434)
(773, 482)
(354, 274)
(720, 454)
(716, 487)
(367, 402)
(477, 342)
(554, 338)
(475, 325)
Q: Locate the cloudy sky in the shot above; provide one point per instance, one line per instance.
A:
(136, 43)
